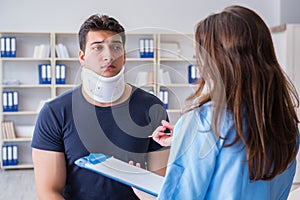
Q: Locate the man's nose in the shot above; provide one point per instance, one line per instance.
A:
(108, 55)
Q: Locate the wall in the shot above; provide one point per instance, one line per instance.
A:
(289, 11)
(67, 15)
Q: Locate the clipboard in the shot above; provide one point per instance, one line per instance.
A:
(122, 172)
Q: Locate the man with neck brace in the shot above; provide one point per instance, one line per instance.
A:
(102, 115)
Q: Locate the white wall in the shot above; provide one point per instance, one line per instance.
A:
(67, 15)
(289, 10)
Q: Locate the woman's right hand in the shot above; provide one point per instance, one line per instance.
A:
(159, 135)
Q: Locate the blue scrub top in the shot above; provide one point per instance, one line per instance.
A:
(200, 167)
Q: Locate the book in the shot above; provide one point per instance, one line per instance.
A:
(61, 51)
(146, 48)
(41, 51)
(8, 130)
(9, 155)
(122, 172)
(60, 74)
(44, 73)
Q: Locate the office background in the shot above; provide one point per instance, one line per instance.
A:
(135, 15)
(67, 15)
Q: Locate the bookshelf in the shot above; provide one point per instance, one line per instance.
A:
(175, 54)
(21, 74)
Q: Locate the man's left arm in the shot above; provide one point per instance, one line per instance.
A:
(157, 161)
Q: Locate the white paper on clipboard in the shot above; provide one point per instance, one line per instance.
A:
(122, 172)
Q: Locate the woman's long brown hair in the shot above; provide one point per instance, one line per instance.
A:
(257, 91)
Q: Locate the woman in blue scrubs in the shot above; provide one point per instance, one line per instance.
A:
(239, 140)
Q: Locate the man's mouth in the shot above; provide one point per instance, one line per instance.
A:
(108, 67)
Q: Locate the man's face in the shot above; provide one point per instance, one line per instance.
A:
(104, 53)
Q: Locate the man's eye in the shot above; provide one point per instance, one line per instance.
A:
(117, 48)
(98, 48)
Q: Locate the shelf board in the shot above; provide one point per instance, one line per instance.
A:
(178, 85)
(28, 86)
(28, 139)
(140, 59)
(177, 59)
(21, 113)
(24, 59)
(66, 59)
(65, 85)
(19, 166)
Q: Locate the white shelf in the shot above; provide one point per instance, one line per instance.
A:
(27, 86)
(17, 140)
(31, 93)
(19, 166)
(66, 59)
(179, 85)
(21, 113)
(177, 59)
(140, 59)
(24, 59)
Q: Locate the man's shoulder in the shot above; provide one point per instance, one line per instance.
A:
(146, 96)
(64, 99)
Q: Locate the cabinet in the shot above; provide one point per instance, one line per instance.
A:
(20, 74)
(175, 54)
(172, 54)
(286, 40)
(140, 72)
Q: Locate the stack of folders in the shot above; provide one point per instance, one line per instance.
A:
(146, 48)
(8, 130)
(10, 155)
(61, 51)
(164, 97)
(44, 74)
(41, 51)
(193, 73)
(8, 46)
(60, 74)
(10, 102)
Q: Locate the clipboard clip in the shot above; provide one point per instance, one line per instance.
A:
(93, 158)
(96, 158)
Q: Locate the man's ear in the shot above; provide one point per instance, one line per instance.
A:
(81, 57)
(124, 57)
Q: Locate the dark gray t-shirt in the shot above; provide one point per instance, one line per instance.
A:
(71, 125)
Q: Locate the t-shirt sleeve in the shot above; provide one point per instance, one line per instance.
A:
(157, 113)
(47, 133)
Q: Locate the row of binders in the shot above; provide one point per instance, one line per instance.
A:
(193, 74)
(8, 130)
(164, 97)
(10, 101)
(45, 74)
(146, 48)
(8, 46)
(10, 155)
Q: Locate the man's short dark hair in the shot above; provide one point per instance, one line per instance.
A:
(97, 23)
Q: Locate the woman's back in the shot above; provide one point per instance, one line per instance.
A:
(200, 167)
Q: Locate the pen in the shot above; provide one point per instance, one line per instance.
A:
(169, 132)
(150, 136)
